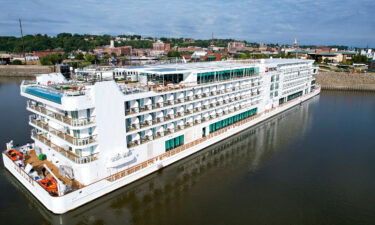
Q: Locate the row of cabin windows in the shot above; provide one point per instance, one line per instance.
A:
(231, 120)
(174, 143)
(225, 75)
(295, 95)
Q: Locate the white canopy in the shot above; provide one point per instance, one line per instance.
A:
(159, 99)
(50, 78)
(135, 137)
(170, 97)
(147, 101)
(148, 133)
(189, 120)
(148, 117)
(160, 129)
(159, 114)
(170, 125)
(190, 106)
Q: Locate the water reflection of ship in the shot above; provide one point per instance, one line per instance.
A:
(148, 196)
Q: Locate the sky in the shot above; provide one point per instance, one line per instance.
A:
(319, 22)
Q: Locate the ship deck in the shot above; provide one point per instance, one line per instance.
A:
(37, 164)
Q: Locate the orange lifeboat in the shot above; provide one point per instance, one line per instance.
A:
(49, 184)
(14, 155)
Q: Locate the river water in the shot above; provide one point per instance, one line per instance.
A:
(313, 164)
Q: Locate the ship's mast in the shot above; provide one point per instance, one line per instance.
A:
(23, 44)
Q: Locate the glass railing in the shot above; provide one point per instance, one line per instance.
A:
(44, 93)
(68, 154)
(72, 140)
(191, 98)
(60, 117)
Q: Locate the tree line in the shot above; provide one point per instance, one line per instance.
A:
(64, 41)
(68, 42)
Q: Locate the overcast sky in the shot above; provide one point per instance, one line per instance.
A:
(347, 22)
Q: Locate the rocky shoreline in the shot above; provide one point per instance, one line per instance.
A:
(24, 70)
(346, 81)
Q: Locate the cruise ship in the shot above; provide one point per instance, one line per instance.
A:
(93, 135)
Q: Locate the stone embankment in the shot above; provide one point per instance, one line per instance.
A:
(346, 81)
(24, 70)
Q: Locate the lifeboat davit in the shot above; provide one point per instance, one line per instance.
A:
(14, 155)
(49, 184)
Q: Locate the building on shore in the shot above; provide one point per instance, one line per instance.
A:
(371, 66)
(235, 46)
(161, 46)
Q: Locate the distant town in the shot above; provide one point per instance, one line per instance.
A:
(79, 51)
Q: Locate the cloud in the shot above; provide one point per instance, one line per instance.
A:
(311, 21)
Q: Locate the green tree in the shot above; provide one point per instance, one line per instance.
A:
(79, 56)
(91, 58)
(360, 59)
(241, 56)
(51, 59)
(173, 54)
(17, 62)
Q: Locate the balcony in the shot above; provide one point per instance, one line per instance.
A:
(60, 117)
(70, 155)
(72, 140)
(146, 123)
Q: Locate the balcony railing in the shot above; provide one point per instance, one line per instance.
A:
(60, 117)
(70, 155)
(72, 140)
(168, 103)
(169, 117)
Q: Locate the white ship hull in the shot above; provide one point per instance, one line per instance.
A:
(70, 201)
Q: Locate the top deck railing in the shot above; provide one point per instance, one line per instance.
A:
(67, 89)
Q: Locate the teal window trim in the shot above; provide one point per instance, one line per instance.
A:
(174, 142)
(231, 120)
(295, 95)
(210, 77)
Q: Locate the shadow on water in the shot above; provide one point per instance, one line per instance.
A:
(168, 195)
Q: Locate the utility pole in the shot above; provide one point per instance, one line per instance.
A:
(23, 44)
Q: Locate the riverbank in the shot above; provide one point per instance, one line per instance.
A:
(24, 70)
(346, 81)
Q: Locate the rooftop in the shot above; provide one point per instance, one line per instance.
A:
(216, 65)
